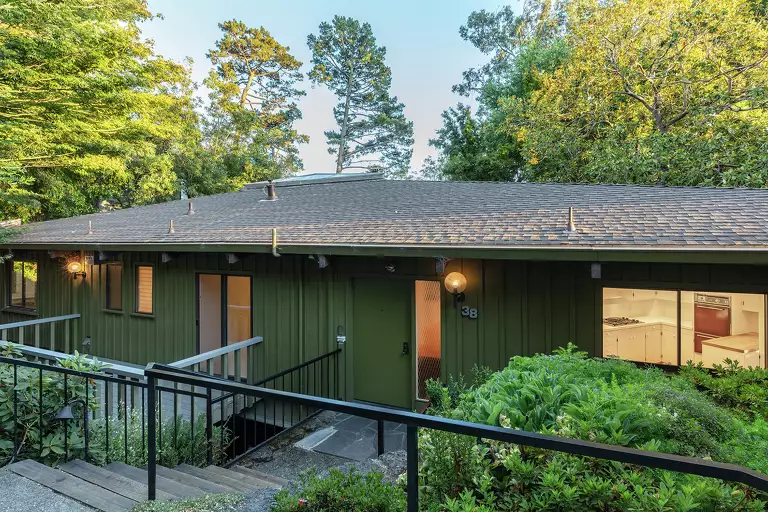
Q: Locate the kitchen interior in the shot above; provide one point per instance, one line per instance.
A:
(641, 325)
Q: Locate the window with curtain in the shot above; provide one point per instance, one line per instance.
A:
(144, 289)
(114, 286)
(23, 290)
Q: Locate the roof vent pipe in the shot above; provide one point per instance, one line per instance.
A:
(90, 228)
(190, 209)
(170, 228)
(571, 223)
(271, 194)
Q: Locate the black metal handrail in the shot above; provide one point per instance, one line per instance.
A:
(414, 421)
(127, 389)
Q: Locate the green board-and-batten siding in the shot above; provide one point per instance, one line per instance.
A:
(524, 307)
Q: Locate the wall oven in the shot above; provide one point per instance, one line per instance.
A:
(711, 318)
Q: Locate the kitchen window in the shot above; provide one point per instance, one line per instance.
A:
(641, 325)
(144, 289)
(22, 293)
(114, 286)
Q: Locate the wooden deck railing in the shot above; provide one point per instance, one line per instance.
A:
(21, 330)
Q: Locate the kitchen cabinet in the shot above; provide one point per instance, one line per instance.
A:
(751, 302)
(686, 346)
(669, 344)
(610, 345)
(631, 343)
(653, 344)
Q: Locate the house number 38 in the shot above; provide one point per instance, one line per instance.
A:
(469, 312)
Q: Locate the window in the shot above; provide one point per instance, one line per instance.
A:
(427, 334)
(23, 289)
(144, 286)
(114, 286)
(641, 325)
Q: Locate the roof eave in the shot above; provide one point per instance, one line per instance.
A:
(592, 253)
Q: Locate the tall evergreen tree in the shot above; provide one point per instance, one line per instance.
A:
(88, 111)
(253, 106)
(373, 132)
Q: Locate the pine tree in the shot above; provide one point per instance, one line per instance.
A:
(373, 132)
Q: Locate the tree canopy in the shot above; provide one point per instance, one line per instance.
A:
(88, 112)
(623, 91)
(373, 132)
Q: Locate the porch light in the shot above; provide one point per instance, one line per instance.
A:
(76, 269)
(456, 283)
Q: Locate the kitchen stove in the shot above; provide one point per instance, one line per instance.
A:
(615, 321)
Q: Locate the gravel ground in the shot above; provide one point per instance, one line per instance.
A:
(19, 494)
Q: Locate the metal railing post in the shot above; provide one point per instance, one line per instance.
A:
(152, 440)
(412, 457)
(209, 427)
(380, 443)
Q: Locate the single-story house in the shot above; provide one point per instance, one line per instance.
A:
(413, 279)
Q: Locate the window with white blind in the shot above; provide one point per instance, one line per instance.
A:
(144, 289)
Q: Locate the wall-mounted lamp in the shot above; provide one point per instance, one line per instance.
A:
(76, 269)
(456, 283)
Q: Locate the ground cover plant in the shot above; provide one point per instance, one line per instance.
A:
(609, 401)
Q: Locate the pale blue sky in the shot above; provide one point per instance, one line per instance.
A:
(424, 51)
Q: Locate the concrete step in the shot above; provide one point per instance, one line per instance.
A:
(164, 484)
(118, 484)
(72, 487)
(278, 482)
(207, 485)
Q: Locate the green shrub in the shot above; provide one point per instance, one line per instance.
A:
(32, 423)
(65, 438)
(610, 401)
(181, 447)
(732, 386)
(341, 491)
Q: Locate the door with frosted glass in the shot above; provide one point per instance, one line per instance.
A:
(224, 315)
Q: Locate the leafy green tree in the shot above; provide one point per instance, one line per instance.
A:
(522, 46)
(88, 112)
(373, 132)
(673, 92)
(248, 131)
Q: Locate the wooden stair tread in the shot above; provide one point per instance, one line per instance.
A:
(72, 487)
(214, 477)
(249, 480)
(279, 482)
(116, 483)
(194, 481)
(167, 485)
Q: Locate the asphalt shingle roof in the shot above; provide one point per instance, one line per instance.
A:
(390, 212)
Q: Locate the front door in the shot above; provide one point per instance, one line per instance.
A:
(382, 338)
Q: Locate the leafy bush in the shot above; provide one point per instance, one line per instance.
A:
(732, 386)
(65, 438)
(341, 491)
(609, 401)
(29, 417)
(173, 449)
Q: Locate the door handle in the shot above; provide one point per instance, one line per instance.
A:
(406, 349)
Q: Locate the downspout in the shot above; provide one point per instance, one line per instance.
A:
(274, 243)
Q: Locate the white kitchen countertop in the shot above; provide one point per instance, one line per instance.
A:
(646, 321)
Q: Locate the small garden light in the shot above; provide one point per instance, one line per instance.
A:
(456, 283)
